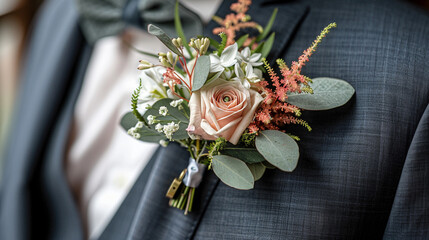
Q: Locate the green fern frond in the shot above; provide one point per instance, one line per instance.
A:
(222, 45)
(134, 101)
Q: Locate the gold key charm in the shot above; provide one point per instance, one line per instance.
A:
(175, 185)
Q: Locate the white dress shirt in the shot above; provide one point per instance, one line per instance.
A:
(102, 161)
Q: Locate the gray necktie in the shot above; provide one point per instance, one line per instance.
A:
(100, 18)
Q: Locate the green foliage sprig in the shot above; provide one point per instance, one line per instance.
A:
(222, 44)
(134, 102)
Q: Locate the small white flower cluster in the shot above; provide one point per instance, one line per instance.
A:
(245, 65)
(177, 103)
(151, 119)
(134, 130)
(163, 110)
(168, 129)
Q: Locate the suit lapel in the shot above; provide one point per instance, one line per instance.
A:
(154, 219)
(65, 218)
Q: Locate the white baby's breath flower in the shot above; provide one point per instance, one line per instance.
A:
(131, 131)
(159, 127)
(163, 143)
(151, 119)
(163, 110)
(139, 124)
(246, 56)
(136, 135)
(169, 129)
(176, 103)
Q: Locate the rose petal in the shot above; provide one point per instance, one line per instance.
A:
(226, 132)
(256, 99)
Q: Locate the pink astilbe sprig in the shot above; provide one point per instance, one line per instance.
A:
(234, 22)
(308, 52)
(274, 112)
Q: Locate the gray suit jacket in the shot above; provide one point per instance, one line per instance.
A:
(363, 170)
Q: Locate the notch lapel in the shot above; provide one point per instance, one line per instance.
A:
(154, 219)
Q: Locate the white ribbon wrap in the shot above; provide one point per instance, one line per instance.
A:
(194, 174)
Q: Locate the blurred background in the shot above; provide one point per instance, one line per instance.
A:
(15, 23)
(16, 18)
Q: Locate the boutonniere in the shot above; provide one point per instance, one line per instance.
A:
(226, 104)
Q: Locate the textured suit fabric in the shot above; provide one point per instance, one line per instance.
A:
(362, 172)
(363, 169)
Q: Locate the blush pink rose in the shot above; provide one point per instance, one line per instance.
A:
(222, 109)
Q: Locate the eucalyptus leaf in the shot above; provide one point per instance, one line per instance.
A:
(248, 155)
(233, 172)
(268, 165)
(146, 134)
(173, 114)
(268, 45)
(257, 169)
(201, 72)
(181, 134)
(278, 149)
(128, 121)
(328, 93)
(163, 37)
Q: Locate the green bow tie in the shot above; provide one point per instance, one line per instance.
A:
(100, 18)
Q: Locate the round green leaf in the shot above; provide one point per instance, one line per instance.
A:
(268, 165)
(328, 93)
(248, 155)
(174, 114)
(257, 169)
(146, 134)
(278, 149)
(233, 172)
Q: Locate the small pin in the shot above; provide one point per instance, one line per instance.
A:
(175, 185)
